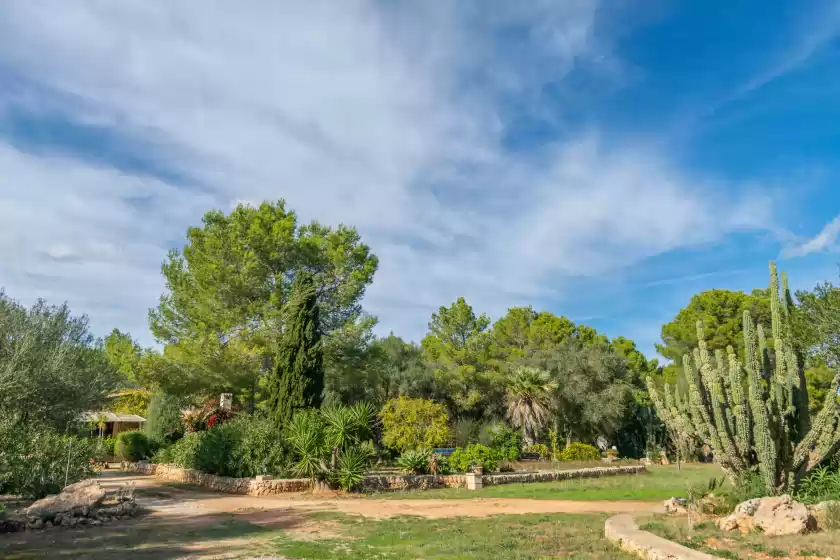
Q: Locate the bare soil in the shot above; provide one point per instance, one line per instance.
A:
(182, 521)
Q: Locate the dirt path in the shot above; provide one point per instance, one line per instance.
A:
(183, 522)
(162, 498)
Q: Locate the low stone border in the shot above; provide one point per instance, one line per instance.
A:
(549, 476)
(251, 486)
(382, 483)
(623, 531)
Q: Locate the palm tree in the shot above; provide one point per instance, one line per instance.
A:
(528, 397)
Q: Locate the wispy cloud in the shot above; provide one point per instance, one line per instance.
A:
(826, 240)
(385, 117)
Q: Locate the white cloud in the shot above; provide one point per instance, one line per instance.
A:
(353, 112)
(826, 240)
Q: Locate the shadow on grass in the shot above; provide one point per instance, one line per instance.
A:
(151, 536)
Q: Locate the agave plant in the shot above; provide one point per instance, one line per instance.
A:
(415, 461)
(351, 467)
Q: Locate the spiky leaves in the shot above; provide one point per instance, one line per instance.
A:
(528, 401)
(298, 379)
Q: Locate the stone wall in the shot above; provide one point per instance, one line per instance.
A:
(412, 482)
(548, 476)
(385, 483)
(250, 486)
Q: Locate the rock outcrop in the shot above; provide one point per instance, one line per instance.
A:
(85, 494)
(774, 515)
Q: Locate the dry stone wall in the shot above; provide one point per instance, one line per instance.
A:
(383, 483)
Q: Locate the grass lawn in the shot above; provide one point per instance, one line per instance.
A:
(326, 536)
(660, 483)
(711, 540)
(515, 537)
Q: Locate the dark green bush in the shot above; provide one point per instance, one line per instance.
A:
(244, 447)
(580, 452)
(35, 462)
(476, 455)
(507, 442)
(163, 418)
(131, 446)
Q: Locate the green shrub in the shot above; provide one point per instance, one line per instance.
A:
(164, 456)
(821, 485)
(580, 452)
(540, 449)
(507, 442)
(412, 423)
(35, 462)
(105, 448)
(415, 461)
(131, 446)
(352, 464)
(244, 447)
(2, 511)
(163, 418)
(476, 455)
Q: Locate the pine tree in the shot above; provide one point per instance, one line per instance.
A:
(298, 378)
(755, 417)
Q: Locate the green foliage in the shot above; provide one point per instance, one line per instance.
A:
(593, 388)
(755, 416)
(223, 318)
(540, 449)
(51, 368)
(352, 465)
(243, 447)
(476, 455)
(131, 401)
(35, 460)
(327, 444)
(164, 455)
(346, 426)
(298, 379)
(528, 400)
(163, 418)
(411, 423)
(456, 348)
(507, 442)
(131, 446)
(580, 452)
(721, 312)
(414, 461)
(105, 447)
(821, 485)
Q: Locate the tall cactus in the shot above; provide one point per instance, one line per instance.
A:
(755, 417)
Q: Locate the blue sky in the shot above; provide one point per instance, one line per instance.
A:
(603, 160)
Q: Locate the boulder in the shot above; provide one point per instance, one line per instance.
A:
(675, 506)
(774, 516)
(75, 497)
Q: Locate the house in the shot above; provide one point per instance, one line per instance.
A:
(112, 424)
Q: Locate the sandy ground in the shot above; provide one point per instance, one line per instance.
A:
(165, 499)
(181, 522)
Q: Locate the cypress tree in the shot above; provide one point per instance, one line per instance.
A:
(298, 378)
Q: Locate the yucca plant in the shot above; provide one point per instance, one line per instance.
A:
(352, 465)
(415, 461)
(305, 434)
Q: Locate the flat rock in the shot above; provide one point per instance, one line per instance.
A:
(77, 496)
(773, 515)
